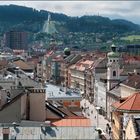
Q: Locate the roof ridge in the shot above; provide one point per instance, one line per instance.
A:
(129, 98)
(57, 110)
(12, 101)
(134, 99)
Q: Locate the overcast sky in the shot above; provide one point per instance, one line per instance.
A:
(129, 10)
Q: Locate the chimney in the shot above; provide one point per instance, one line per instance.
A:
(127, 80)
(135, 71)
(136, 84)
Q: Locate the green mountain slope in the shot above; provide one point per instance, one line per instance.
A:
(29, 19)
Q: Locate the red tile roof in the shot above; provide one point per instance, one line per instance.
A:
(72, 122)
(22, 65)
(132, 103)
(82, 65)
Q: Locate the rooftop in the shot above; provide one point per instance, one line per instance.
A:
(113, 54)
(73, 122)
(116, 91)
(82, 65)
(130, 104)
(56, 92)
(34, 133)
(22, 65)
(132, 81)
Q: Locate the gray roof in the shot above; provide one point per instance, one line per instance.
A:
(52, 133)
(116, 91)
(73, 58)
(60, 93)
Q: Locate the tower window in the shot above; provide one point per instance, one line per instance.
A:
(113, 60)
(114, 73)
(110, 60)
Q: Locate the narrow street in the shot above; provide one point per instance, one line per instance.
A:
(97, 120)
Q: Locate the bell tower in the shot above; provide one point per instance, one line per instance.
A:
(113, 68)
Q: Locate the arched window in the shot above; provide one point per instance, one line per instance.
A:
(114, 73)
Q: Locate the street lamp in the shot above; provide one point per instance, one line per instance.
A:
(97, 109)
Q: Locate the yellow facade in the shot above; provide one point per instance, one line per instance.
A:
(116, 124)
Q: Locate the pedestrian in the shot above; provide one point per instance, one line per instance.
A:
(107, 128)
(95, 117)
(109, 131)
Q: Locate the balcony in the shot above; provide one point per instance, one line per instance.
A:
(78, 77)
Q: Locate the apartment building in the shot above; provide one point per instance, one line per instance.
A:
(81, 77)
(55, 69)
(65, 65)
(16, 40)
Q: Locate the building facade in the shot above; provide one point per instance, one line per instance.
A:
(81, 77)
(16, 40)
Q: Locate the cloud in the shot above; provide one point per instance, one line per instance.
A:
(125, 9)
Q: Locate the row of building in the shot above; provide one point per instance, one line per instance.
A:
(26, 100)
(51, 87)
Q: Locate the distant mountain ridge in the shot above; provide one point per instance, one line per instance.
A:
(29, 19)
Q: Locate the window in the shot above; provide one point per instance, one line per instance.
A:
(6, 132)
(113, 60)
(5, 136)
(113, 121)
(114, 73)
(130, 130)
(110, 60)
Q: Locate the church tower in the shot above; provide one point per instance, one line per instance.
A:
(113, 68)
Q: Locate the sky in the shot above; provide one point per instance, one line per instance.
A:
(129, 10)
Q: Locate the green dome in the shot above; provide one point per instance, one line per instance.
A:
(113, 54)
(113, 45)
(66, 50)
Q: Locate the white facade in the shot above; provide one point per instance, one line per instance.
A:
(100, 93)
(113, 72)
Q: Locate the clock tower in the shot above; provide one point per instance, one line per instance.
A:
(113, 68)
